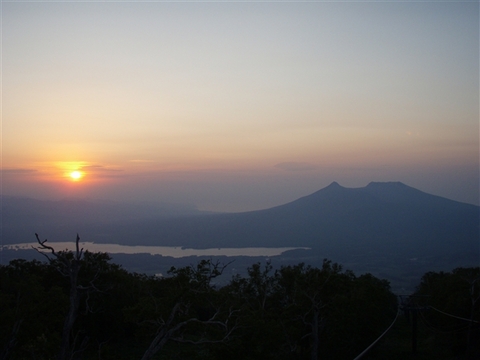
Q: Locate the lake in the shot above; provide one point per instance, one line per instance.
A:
(176, 252)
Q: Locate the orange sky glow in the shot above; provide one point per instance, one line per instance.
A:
(238, 106)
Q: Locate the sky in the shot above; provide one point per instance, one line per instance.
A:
(236, 106)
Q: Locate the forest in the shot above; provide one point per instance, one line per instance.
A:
(80, 305)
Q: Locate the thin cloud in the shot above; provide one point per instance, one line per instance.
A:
(141, 161)
(21, 171)
(295, 166)
(102, 171)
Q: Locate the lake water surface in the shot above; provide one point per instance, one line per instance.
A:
(176, 252)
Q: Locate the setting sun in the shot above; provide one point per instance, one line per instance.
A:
(76, 175)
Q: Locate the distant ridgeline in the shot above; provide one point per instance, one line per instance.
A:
(380, 216)
(382, 223)
(383, 216)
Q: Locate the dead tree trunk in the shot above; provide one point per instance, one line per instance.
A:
(11, 341)
(74, 302)
(68, 267)
(171, 329)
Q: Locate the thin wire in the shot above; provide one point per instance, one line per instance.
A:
(433, 328)
(456, 317)
(368, 348)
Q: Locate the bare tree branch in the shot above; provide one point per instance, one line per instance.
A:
(69, 267)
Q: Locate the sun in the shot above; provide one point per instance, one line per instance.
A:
(76, 175)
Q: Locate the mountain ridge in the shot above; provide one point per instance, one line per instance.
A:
(389, 229)
(377, 214)
(330, 218)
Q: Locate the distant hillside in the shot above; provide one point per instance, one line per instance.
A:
(62, 219)
(380, 215)
(388, 229)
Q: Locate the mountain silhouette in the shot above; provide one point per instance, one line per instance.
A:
(22, 217)
(389, 217)
(385, 228)
(382, 217)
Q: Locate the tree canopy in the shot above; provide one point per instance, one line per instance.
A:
(292, 312)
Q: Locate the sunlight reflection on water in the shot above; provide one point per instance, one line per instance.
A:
(176, 252)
